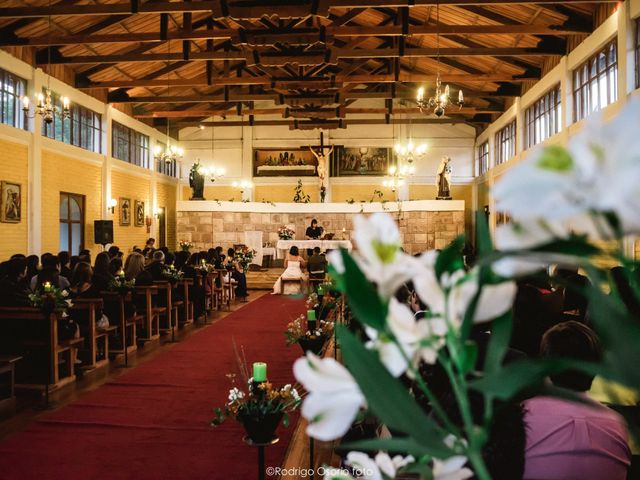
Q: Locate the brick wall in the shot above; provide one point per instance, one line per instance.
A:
(420, 230)
(134, 188)
(14, 168)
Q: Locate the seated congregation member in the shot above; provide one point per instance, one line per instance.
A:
(13, 285)
(221, 255)
(115, 266)
(101, 272)
(169, 259)
(156, 266)
(317, 265)
(50, 272)
(150, 243)
(113, 251)
(32, 266)
(236, 273)
(293, 264)
(65, 264)
(85, 256)
(82, 282)
(570, 440)
(569, 281)
(134, 269)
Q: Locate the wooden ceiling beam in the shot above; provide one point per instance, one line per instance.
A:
(302, 36)
(305, 58)
(326, 124)
(220, 9)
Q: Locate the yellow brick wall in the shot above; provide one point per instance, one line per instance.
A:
(134, 188)
(64, 174)
(166, 197)
(360, 193)
(14, 168)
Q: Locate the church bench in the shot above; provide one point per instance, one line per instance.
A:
(168, 321)
(33, 335)
(187, 307)
(227, 287)
(86, 313)
(115, 304)
(7, 384)
(150, 313)
(284, 281)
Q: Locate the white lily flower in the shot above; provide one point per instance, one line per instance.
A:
(419, 340)
(334, 397)
(599, 172)
(335, 259)
(374, 468)
(462, 287)
(451, 469)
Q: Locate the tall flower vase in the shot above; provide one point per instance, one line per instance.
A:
(261, 429)
(313, 345)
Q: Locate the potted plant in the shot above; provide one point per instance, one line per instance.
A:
(310, 335)
(171, 274)
(185, 245)
(120, 284)
(51, 299)
(286, 233)
(244, 257)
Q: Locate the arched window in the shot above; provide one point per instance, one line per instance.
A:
(71, 222)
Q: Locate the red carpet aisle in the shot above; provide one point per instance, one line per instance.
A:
(153, 421)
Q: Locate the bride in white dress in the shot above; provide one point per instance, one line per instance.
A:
(294, 265)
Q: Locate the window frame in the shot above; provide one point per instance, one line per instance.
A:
(135, 146)
(83, 129)
(543, 118)
(637, 51)
(483, 158)
(588, 81)
(81, 200)
(14, 98)
(505, 143)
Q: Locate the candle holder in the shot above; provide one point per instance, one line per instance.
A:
(260, 446)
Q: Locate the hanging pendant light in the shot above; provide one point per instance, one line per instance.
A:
(171, 153)
(441, 99)
(43, 105)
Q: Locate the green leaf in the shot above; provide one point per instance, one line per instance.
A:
(483, 235)
(469, 356)
(450, 259)
(501, 329)
(362, 296)
(576, 246)
(387, 398)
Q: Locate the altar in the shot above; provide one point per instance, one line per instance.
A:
(423, 224)
(284, 245)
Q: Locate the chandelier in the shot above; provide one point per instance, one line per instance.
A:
(43, 105)
(171, 153)
(441, 99)
(397, 176)
(213, 172)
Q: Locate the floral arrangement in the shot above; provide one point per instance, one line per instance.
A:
(286, 233)
(205, 268)
(258, 401)
(244, 257)
(185, 246)
(51, 299)
(298, 194)
(172, 274)
(572, 206)
(297, 330)
(120, 284)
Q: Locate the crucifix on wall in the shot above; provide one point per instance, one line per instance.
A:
(321, 156)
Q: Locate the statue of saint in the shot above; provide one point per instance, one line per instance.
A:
(196, 182)
(443, 179)
(322, 168)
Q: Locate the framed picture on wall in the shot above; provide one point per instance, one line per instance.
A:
(125, 211)
(10, 202)
(278, 162)
(361, 161)
(139, 214)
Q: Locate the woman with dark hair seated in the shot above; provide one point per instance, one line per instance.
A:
(13, 286)
(50, 273)
(566, 439)
(294, 265)
(236, 273)
(82, 282)
(115, 266)
(101, 274)
(32, 266)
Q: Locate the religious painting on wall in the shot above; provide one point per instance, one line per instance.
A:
(361, 161)
(278, 162)
(11, 202)
(138, 213)
(125, 211)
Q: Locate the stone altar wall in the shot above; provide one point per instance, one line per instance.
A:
(420, 230)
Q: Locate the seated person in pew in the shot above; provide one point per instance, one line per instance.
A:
(317, 264)
(13, 285)
(65, 264)
(50, 272)
(156, 266)
(134, 269)
(115, 266)
(32, 266)
(293, 264)
(102, 277)
(236, 273)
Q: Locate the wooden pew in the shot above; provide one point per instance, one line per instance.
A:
(187, 308)
(85, 312)
(227, 288)
(170, 313)
(7, 384)
(33, 335)
(284, 281)
(115, 305)
(150, 313)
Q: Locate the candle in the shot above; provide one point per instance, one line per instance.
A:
(311, 315)
(320, 291)
(121, 273)
(259, 372)
(47, 286)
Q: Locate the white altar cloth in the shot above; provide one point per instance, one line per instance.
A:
(283, 246)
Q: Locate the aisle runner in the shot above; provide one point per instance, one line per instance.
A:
(153, 421)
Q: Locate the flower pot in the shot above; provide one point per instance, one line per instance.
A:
(313, 345)
(261, 429)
